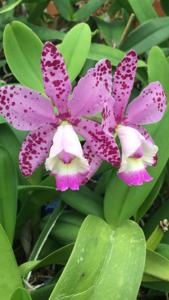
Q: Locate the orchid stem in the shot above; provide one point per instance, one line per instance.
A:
(126, 29)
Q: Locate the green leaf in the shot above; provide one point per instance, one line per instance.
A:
(151, 197)
(23, 51)
(111, 32)
(65, 233)
(9, 272)
(10, 142)
(157, 265)
(81, 203)
(45, 233)
(87, 10)
(59, 257)
(20, 294)
(99, 51)
(158, 61)
(165, 6)
(147, 35)
(143, 10)
(8, 193)
(109, 274)
(45, 33)
(65, 8)
(9, 6)
(75, 48)
(160, 214)
(123, 201)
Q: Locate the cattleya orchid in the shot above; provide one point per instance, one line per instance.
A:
(125, 121)
(54, 136)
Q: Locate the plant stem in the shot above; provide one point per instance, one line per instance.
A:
(126, 29)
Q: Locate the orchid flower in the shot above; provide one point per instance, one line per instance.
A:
(54, 136)
(125, 121)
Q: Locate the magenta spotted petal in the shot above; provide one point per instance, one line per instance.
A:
(149, 106)
(35, 149)
(92, 90)
(93, 160)
(102, 144)
(123, 81)
(24, 108)
(56, 81)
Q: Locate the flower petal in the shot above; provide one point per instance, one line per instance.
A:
(35, 149)
(24, 108)
(130, 140)
(148, 137)
(123, 81)
(65, 182)
(109, 121)
(65, 139)
(149, 106)
(93, 160)
(102, 144)
(92, 90)
(137, 177)
(56, 80)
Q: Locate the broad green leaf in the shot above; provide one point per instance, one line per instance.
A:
(65, 8)
(8, 193)
(153, 282)
(20, 294)
(157, 265)
(147, 35)
(163, 249)
(23, 51)
(121, 201)
(75, 48)
(45, 33)
(9, 6)
(151, 197)
(9, 272)
(65, 233)
(111, 32)
(158, 61)
(99, 51)
(45, 233)
(143, 10)
(10, 142)
(43, 292)
(81, 203)
(87, 10)
(58, 257)
(103, 262)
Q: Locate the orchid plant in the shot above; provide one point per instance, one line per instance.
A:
(83, 119)
(54, 136)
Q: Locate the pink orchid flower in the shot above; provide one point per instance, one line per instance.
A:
(125, 121)
(54, 136)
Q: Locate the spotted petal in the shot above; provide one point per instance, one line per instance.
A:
(56, 81)
(35, 149)
(123, 81)
(102, 144)
(149, 106)
(92, 90)
(24, 108)
(109, 121)
(93, 160)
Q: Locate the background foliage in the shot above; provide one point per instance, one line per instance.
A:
(39, 225)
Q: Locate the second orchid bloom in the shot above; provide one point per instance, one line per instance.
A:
(54, 136)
